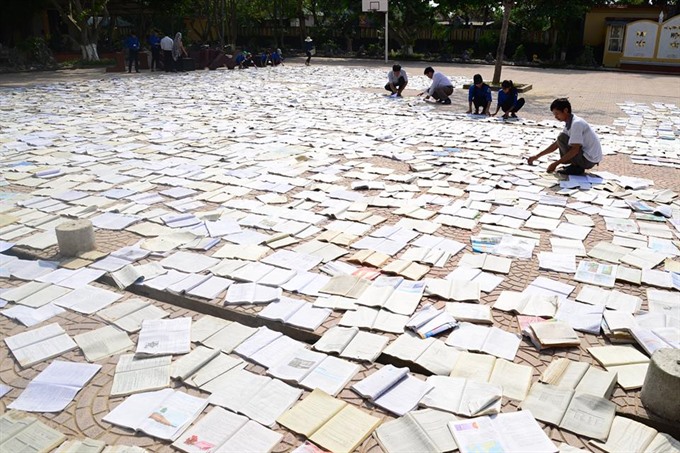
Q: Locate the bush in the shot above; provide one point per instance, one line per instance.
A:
(587, 57)
(34, 51)
(488, 42)
(520, 54)
(375, 50)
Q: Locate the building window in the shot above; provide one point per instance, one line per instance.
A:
(616, 38)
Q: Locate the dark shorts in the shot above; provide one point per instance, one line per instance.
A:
(580, 159)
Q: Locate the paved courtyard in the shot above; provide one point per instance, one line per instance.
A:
(281, 175)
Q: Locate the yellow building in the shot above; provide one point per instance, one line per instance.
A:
(632, 37)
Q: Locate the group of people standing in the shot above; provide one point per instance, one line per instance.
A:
(441, 89)
(173, 51)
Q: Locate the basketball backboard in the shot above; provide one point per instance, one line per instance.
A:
(379, 6)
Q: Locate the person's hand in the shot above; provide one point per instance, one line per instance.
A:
(552, 167)
(469, 111)
(531, 160)
(427, 97)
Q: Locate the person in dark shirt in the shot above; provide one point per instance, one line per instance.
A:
(155, 45)
(508, 101)
(132, 45)
(309, 47)
(480, 95)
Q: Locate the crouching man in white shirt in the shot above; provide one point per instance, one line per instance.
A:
(441, 87)
(578, 144)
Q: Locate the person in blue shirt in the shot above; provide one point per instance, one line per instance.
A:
(480, 95)
(277, 58)
(132, 45)
(309, 48)
(507, 100)
(155, 45)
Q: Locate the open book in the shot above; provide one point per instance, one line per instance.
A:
(473, 313)
(55, 387)
(551, 334)
(164, 336)
(374, 319)
(511, 432)
(491, 340)
(431, 354)
(103, 342)
(462, 396)
(21, 432)
(130, 314)
(629, 435)
(393, 389)
(140, 374)
(221, 430)
(329, 422)
(418, 431)
(430, 322)
(407, 269)
(188, 365)
(251, 293)
(580, 377)
(352, 343)
(393, 293)
(163, 414)
(527, 304)
(39, 344)
(371, 257)
(346, 286)
(453, 289)
(628, 363)
(296, 312)
(581, 413)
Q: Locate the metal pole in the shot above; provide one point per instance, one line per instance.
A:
(386, 37)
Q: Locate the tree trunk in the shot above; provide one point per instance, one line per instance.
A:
(233, 25)
(301, 18)
(507, 7)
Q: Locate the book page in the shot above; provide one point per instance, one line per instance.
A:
(617, 355)
(597, 382)
(547, 403)
(140, 374)
(260, 339)
(501, 343)
(627, 435)
(521, 432)
(273, 353)
(331, 375)
(663, 443)
(404, 396)
(589, 416)
(346, 431)
(189, 364)
(103, 342)
(207, 326)
(235, 388)
(210, 432)
(253, 438)
(216, 367)
(439, 358)
(307, 416)
(435, 425)
(474, 366)
(336, 339)
(134, 410)
(365, 346)
(513, 378)
(296, 365)
(270, 402)
(480, 398)
(39, 344)
(406, 297)
(229, 337)
(133, 322)
(404, 435)
(168, 419)
(165, 336)
(81, 446)
(379, 292)
(408, 347)
(446, 393)
(379, 382)
(35, 438)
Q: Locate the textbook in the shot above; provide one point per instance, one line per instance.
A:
(221, 430)
(130, 314)
(164, 336)
(374, 319)
(551, 334)
(55, 387)
(331, 423)
(393, 293)
(425, 430)
(21, 432)
(510, 432)
(163, 414)
(580, 413)
(352, 343)
(628, 363)
(393, 389)
(491, 340)
(630, 435)
(453, 289)
(104, 342)
(39, 344)
(429, 321)
(140, 374)
(463, 396)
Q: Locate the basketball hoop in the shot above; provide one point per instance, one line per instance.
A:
(378, 6)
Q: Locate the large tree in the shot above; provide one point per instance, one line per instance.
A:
(85, 19)
(502, 39)
(407, 18)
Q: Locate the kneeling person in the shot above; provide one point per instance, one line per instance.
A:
(508, 101)
(578, 144)
(396, 80)
(441, 87)
(480, 95)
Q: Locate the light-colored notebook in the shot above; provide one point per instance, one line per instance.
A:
(142, 374)
(21, 431)
(422, 431)
(39, 344)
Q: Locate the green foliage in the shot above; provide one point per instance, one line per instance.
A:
(587, 57)
(520, 55)
(488, 42)
(375, 50)
(34, 51)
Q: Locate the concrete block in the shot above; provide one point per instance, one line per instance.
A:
(75, 237)
(661, 390)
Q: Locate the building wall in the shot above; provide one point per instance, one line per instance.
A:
(595, 28)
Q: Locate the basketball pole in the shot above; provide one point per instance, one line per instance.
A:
(386, 36)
